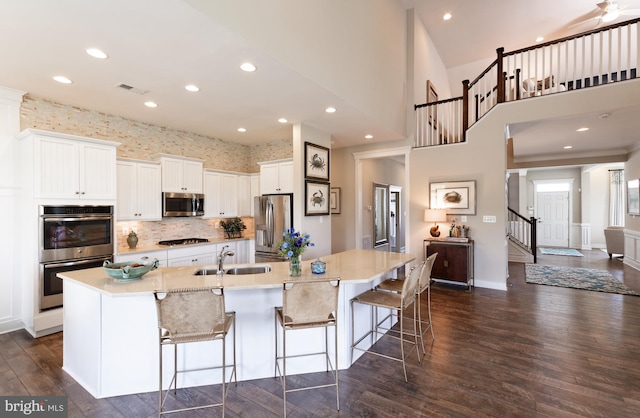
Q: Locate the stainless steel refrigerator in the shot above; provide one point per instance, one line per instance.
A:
(273, 216)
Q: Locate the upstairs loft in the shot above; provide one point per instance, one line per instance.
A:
(595, 58)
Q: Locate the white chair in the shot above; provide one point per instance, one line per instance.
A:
(614, 238)
(193, 315)
(308, 303)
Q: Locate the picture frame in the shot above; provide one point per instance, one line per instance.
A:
(316, 164)
(334, 200)
(633, 197)
(457, 197)
(316, 202)
(432, 97)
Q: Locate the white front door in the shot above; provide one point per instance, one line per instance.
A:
(553, 219)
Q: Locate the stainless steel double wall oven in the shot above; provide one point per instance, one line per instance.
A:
(72, 237)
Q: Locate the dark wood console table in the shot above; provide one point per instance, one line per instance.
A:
(454, 262)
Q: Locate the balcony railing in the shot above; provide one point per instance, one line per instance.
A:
(589, 59)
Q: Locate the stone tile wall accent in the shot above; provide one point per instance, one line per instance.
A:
(141, 141)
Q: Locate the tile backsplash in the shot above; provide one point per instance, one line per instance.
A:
(151, 232)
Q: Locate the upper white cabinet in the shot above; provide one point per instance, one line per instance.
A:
(139, 190)
(276, 177)
(221, 194)
(255, 191)
(69, 166)
(245, 199)
(181, 174)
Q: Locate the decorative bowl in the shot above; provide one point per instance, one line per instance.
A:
(129, 270)
(318, 267)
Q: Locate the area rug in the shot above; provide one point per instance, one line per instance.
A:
(577, 278)
(561, 251)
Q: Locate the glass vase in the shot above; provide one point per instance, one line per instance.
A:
(295, 268)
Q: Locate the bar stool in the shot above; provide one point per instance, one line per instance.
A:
(424, 284)
(308, 303)
(193, 315)
(395, 302)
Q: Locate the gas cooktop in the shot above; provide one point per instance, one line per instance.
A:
(183, 241)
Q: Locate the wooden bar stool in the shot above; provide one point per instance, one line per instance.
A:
(308, 303)
(193, 315)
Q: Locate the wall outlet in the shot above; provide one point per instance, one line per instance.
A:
(125, 231)
(489, 219)
(463, 219)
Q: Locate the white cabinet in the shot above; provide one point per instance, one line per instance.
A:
(245, 198)
(139, 191)
(70, 167)
(242, 251)
(255, 191)
(197, 255)
(276, 177)
(181, 174)
(221, 194)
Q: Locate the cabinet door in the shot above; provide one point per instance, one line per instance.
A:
(192, 176)
(439, 270)
(255, 191)
(172, 175)
(244, 196)
(242, 252)
(229, 195)
(127, 202)
(97, 171)
(149, 192)
(269, 181)
(212, 184)
(57, 168)
(285, 177)
(457, 263)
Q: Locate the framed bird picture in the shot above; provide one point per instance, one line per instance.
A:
(316, 159)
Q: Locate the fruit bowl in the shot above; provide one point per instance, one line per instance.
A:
(129, 270)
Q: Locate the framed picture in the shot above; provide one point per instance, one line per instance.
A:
(316, 162)
(334, 200)
(316, 200)
(457, 197)
(633, 197)
(432, 97)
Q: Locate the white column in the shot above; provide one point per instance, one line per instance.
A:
(10, 101)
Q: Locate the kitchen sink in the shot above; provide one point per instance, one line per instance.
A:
(248, 270)
(235, 270)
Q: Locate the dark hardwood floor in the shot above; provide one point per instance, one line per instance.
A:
(530, 351)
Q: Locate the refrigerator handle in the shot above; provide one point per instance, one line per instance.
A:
(269, 224)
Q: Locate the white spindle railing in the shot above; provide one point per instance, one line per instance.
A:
(589, 59)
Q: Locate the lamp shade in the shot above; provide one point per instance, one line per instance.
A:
(435, 215)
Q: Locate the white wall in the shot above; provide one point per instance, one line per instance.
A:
(318, 227)
(10, 289)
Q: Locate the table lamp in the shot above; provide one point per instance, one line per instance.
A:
(435, 216)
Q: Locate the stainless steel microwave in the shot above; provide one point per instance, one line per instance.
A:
(182, 204)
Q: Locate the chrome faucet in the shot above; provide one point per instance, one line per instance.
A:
(221, 258)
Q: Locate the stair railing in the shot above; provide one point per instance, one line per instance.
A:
(522, 231)
(597, 57)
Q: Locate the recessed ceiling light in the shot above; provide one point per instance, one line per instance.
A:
(96, 53)
(582, 129)
(191, 87)
(446, 16)
(368, 136)
(568, 147)
(242, 130)
(330, 110)
(539, 39)
(150, 104)
(603, 116)
(282, 120)
(62, 79)
(248, 67)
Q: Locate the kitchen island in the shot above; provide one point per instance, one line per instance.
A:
(111, 329)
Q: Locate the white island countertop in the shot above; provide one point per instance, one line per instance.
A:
(353, 266)
(111, 329)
